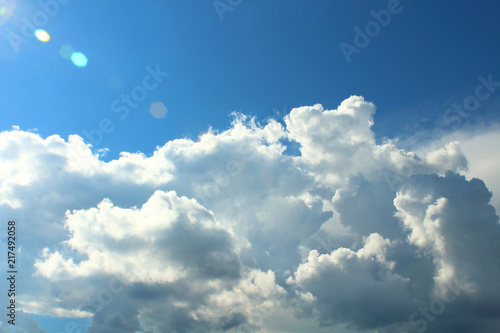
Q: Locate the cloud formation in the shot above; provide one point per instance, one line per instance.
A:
(218, 234)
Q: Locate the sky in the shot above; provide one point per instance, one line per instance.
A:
(245, 166)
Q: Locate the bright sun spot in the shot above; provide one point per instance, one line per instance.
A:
(42, 35)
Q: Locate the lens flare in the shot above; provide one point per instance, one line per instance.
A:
(42, 35)
(158, 110)
(79, 59)
(7, 8)
(66, 51)
(116, 83)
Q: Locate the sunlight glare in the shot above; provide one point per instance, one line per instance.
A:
(42, 35)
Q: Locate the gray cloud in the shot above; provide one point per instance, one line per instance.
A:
(220, 234)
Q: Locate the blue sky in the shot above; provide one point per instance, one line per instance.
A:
(203, 60)
(264, 56)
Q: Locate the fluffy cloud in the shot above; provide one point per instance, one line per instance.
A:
(339, 144)
(451, 222)
(479, 146)
(24, 324)
(168, 239)
(220, 233)
(359, 288)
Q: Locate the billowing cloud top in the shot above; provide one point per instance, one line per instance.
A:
(232, 233)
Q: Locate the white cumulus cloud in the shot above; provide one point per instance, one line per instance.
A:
(229, 231)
